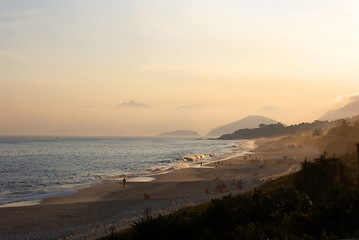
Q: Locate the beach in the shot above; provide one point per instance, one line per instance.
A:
(94, 211)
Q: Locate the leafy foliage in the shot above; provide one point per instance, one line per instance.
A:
(316, 177)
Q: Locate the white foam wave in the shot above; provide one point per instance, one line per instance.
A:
(193, 158)
(162, 169)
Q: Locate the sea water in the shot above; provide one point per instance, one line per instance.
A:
(34, 168)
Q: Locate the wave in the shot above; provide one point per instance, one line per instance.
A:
(190, 160)
(164, 169)
(185, 161)
(32, 198)
(194, 157)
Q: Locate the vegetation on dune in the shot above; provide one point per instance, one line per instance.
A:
(317, 176)
(337, 140)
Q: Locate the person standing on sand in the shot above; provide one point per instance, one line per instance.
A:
(124, 182)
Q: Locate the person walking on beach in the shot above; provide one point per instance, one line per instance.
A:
(124, 182)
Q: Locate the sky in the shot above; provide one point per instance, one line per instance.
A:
(140, 67)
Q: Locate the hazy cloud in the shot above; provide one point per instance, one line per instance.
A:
(350, 97)
(88, 106)
(132, 104)
(189, 107)
(269, 108)
(11, 24)
(17, 18)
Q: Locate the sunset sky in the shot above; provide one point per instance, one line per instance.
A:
(142, 67)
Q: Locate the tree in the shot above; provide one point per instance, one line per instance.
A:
(318, 176)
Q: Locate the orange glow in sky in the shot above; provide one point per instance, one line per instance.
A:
(145, 67)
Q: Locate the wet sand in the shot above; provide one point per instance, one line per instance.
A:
(93, 211)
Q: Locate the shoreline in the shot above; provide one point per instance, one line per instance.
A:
(92, 212)
(35, 199)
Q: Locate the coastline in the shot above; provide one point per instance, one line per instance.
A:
(92, 212)
(36, 168)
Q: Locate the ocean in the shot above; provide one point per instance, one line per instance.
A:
(33, 168)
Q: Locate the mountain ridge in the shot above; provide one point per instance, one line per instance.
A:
(348, 110)
(251, 121)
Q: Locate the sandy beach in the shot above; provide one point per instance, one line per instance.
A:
(93, 211)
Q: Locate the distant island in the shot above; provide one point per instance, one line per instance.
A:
(180, 133)
(252, 121)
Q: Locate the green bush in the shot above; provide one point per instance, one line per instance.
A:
(316, 177)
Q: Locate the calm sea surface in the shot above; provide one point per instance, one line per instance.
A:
(34, 168)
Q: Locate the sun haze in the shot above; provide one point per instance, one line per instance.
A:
(145, 67)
